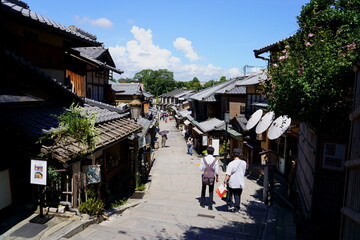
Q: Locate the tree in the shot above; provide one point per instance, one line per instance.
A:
(194, 84)
(157, 82)
(209, 84)
(222, 79)
(310, 76)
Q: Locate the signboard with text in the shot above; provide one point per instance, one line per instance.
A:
(38, 172)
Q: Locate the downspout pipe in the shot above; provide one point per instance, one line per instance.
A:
(69, 205)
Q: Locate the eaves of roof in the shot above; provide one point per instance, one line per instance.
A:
(270, 47)
(97, 62)
(7, 7)
(208, 94)
(252, 79)
(108, 133)
(41, 74)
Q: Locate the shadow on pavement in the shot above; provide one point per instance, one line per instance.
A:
(29, 230)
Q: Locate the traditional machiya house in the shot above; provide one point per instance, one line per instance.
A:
(210, 106)
(125, 93)
(28, 110)
(350, 221)
(89, 69)
(174, 98)
(39, 40)
(114, 157)
(33, 91)
(316, 171)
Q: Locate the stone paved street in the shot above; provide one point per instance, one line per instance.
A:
(171, 207)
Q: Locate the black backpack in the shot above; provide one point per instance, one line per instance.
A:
(208, 177)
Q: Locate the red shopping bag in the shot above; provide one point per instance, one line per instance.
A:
(221, 191)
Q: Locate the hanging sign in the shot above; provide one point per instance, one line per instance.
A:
(38, 172)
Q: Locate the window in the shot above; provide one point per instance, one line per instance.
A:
(334, 156)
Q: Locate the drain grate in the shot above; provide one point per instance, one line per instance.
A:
(205, 216)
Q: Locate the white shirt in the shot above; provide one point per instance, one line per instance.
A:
(236, 170)
(209, 159)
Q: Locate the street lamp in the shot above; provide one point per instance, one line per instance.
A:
(135, 108)
(227, 120)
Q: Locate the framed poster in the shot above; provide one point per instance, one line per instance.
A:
(334, 156)
(93, 174)
(38, 172)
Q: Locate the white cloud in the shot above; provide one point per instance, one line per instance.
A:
(185, 46)
(141, 53)
(100, 22)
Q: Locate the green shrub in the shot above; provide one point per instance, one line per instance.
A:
(92, 206)
(118, 203)
(141, 187)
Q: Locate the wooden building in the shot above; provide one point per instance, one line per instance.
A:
(319, 169)
(350, 222)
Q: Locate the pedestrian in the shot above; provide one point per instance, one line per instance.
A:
(163, 140)
(189, 144)
(234, 179)
(209, 162)
(183, 132)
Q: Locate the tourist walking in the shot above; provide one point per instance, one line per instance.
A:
(234, 179)
(189, 144)
(210, 172)
(163, 140)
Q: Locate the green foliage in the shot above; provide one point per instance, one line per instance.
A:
(125, 80)
(211, 83)
(53, 176)
(141, 187)
(157, 82)
(75, 125)
(92, 206)
(118, 203)
(310, 78)
(223, 148)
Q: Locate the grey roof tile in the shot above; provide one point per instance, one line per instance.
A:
(31, 15)
(127, 88)
(210, 124)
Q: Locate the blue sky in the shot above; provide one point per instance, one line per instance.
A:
(206, 39)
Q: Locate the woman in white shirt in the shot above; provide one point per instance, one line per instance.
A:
(234, 179)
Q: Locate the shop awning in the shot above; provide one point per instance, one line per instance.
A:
(198, 131)
(187, 122)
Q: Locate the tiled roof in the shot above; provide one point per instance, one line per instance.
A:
(242, 121)
(145, 123)
(11, 97)
(253, 79)
(127, 88)
(109, 132)
(184, 113)
(176, 93)
(10, 56)
(271, 46)
(208, 94)
(210, 124)
(33, 120)
(147, 94)
(26, 13)
(184, 93)
(93, 53)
